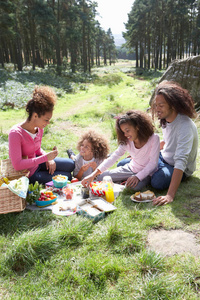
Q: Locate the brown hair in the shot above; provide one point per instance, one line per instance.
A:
(137, 119)
(100, 147)
(177, 98)
(43, 100)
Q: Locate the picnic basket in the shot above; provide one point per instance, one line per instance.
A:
(10, 202)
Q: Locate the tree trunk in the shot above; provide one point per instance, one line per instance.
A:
(136, 54)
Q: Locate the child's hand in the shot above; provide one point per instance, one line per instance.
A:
(85, 167)
(93, 165)
(132, 181)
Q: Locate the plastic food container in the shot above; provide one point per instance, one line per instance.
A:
(59, 181)
(68, 193)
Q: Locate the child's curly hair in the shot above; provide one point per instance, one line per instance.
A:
(43, 101)
(100, 146)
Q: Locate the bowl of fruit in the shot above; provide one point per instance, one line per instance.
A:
(59, 181)
(46, 198)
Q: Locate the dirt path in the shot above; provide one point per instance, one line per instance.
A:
(62, 125)
(171, 242)
(82, 104)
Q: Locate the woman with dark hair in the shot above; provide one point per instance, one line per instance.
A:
(135, 134)
(174, 107)
(25, 140)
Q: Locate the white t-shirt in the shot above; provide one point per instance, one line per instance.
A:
(33, 135)
(79, 162)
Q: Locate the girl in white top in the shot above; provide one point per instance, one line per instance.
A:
(93, 149)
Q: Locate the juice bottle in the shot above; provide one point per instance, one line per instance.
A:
(110, 197)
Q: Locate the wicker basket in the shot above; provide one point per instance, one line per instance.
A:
(9, 202)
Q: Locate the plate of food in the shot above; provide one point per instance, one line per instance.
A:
(64, 209)
(146, 196)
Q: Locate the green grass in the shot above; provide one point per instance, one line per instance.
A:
(44, 256)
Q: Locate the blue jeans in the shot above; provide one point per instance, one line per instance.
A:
(64, 166)
(162, 177)
(124, 162)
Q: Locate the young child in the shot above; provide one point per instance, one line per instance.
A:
(93, 149)
(135, 134)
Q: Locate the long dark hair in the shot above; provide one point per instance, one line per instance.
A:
(43, 101)
(177, 98)
(137, 119)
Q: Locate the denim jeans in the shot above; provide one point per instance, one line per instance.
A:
(162, 177)
(64, 166)
(124, 162)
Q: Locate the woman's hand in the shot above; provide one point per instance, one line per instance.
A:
(51, 166)
(51, 155)
(132, 181)
(162, 200)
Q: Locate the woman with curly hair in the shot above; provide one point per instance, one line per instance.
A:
(174, 107)
(93, 149)
(135, 134)
(25, 140)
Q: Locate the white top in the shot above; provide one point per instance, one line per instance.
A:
(33, 135)
(79, 162)
(87, 161)
(181, 144)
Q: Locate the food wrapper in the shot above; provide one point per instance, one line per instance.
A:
(98, 188)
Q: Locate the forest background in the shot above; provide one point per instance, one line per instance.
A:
(66, 33)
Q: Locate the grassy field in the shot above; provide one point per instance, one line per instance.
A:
(44, 256)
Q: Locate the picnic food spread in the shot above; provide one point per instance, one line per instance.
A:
(74, 198)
